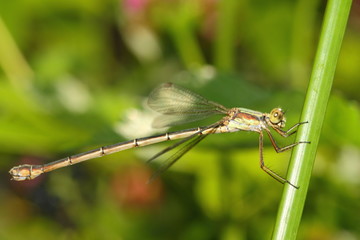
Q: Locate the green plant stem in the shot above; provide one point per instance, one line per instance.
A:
(303, 156)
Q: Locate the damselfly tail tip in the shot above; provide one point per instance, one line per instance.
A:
(25, 172)
(17, 174)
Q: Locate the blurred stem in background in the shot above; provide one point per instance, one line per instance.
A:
(227, 34)
(303, 32)
(12, 61)
(182, 30)
(303, 157)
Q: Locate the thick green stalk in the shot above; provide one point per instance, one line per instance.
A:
(303, 156)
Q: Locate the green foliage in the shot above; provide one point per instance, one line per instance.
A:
(75, 74)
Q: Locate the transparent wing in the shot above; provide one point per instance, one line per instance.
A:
(187, 144)
(179, 105)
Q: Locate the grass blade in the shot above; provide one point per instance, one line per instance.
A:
(303, 156)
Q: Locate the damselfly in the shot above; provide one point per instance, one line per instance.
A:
(178, 105)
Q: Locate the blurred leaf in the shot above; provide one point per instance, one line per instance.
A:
(341, 125)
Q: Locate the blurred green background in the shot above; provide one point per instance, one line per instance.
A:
(74, 75)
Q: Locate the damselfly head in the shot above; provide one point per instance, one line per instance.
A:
(277, 117)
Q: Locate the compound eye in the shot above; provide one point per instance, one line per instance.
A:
(277, 117)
